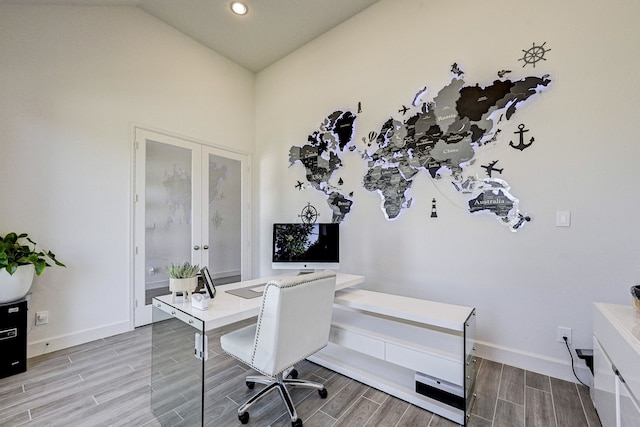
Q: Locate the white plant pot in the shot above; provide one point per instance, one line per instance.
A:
(15, 286)
(186, 286)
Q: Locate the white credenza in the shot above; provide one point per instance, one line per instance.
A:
(420, 351)
(616, 365)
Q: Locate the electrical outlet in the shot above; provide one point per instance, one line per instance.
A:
(564, 332)
(42, 317)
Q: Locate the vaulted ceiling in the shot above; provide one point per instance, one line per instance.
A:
(269, 31)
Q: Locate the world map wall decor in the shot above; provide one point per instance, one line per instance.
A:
(436, 137)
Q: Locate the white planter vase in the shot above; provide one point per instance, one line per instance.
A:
(15, 286)
(186, 286)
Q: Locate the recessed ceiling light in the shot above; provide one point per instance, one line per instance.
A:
(239, 8)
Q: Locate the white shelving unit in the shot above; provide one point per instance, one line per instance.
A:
(417, 350)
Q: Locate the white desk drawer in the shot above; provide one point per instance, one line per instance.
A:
(603, 392)
(629, 408)
(357, 342)
(436, 366)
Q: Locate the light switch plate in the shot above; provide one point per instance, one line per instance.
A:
(563, 219)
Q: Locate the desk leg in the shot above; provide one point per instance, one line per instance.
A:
(176, 371)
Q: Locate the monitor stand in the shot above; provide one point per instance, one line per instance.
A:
(301, 272)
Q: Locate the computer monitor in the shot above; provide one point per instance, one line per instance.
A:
(306, 247)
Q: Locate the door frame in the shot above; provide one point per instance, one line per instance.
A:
(137, 203)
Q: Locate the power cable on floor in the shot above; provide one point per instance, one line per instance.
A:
(566, 342)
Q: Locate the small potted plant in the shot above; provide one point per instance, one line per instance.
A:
(182, 278)
(18, 263)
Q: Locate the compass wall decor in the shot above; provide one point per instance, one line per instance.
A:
(309, 214)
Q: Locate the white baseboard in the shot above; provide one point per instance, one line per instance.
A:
(157, 285)
(534, 362)
(221, 274)
(36, 348)
(214, 275)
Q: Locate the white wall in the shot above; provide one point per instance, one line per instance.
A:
(73, 80)
(585, 160)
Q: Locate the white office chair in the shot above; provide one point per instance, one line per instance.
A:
(293, 323)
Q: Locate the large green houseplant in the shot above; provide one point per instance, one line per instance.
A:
(19, 260)
(14, 253)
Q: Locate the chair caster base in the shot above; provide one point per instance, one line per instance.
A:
(323, 393)
(296, 423)
(244, 417)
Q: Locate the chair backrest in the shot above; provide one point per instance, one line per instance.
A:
(294, 320)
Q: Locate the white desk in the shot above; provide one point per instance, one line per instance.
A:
(225, 309)
(183, 387)
(420, 351)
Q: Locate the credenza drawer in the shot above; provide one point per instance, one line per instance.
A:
(429, 363)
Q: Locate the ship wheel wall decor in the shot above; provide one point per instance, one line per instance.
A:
(309, 214)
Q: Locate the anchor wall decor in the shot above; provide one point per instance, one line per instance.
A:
(522, 145)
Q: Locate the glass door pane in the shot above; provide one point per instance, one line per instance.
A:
(224, 213)
(168, 213)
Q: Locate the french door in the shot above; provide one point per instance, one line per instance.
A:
(191, 204)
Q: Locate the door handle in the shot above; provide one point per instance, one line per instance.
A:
(205, 247)
(196, 247)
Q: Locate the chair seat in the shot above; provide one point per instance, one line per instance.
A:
(239, 343)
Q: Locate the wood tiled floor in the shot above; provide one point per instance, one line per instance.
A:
(106, 383)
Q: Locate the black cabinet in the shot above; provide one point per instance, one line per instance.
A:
(13, 338)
